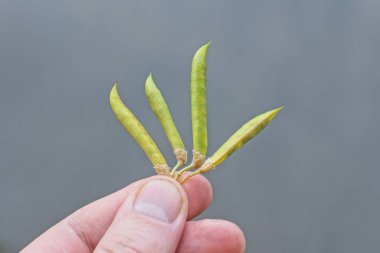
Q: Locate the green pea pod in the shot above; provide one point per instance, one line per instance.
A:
(161, 110)
(198, 105)
(138, 132)
(239, 138)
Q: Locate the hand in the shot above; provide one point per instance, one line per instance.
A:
(150, 215)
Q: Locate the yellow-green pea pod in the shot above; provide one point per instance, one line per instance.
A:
(138, 132)
(161, 110)
(198, 102)
(239, 138)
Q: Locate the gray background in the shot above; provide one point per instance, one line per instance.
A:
(308, 183)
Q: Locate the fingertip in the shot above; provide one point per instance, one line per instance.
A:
(180, 187)
(235, 234)
(199, 192)
(197, 182)
(212, 236)
(197, 189)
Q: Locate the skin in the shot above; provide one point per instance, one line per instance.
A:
(116, 224)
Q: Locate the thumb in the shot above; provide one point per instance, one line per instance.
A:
(150, 220)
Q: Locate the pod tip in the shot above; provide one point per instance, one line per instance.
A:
(114, 87)
(204, 47)
(114, 93)
(149, 80)
(207, 45)
(275, 111)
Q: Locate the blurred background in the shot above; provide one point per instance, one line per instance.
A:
(307, 183)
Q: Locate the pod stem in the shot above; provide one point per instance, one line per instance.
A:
(187, 168)
(179, 164)
(193, 173)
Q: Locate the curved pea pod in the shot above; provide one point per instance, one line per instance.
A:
(138, 132)
(161, 110)
(198, 105)
(238, 139)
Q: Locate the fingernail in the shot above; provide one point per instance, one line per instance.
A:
(160, 200)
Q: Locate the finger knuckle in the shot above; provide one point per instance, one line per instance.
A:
(120, 243)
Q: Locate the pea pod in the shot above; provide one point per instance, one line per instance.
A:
(198, 105)
(238, 139)
(161, 110)
(138, 132)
